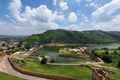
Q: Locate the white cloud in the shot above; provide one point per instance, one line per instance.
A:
(41, 13)
(105, 12)
(7, 28)
(78, 1)
(106, 17)
(40, 18)
(25, 28)
(58, 16)
(72, 18)
(94, 5)
(15, 9)
(88, 0)
(63, 5)
(111, 25)
(81, 27)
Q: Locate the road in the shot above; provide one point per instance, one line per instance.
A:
(7, 68)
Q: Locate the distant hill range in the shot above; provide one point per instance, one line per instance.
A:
(64, 36)
(13, 38)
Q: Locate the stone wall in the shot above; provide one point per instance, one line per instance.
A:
(51, 77)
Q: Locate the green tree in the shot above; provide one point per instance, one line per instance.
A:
(44, 60)
(118, 65)
(118, 48)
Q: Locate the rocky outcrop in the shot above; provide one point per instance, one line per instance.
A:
(100, 74)
(98, 59)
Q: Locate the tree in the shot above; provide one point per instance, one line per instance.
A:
(93, 54)
(105, 48)
(27, 46)
(52, 61)
(115, 52)
(118, 48)
(106, 52)
(44, 60)
(118, 65)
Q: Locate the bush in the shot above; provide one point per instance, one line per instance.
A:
(44, 60)
(118, 65)
(93, 54)
(106, 52)
(22, 61)
(104, 48)
(115, 52)
(52, 61)
(118, 48)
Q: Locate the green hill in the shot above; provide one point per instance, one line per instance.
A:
(64, 36)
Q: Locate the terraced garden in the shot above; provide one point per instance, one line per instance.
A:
(75, 72)
(33, 65)
(109, 56)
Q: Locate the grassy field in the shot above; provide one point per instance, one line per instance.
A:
(4, 76)
(77, 72)
(116, 74)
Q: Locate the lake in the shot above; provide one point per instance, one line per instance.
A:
(54, 54)
(110, 46)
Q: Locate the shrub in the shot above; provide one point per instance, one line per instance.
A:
(118, 65)
(52, 61)
(118, 48)
(115, 52)
(93, 54)
(44, 60)
(104, 48)
(106, 52)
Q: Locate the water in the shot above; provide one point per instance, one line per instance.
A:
(109, 46)
(55, 55)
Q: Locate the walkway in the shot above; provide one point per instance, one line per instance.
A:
(7, 68)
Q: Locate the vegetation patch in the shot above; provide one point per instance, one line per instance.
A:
(76, 72)
(111, 57)
(64, 36)
(4, 76)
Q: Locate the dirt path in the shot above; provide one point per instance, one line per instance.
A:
(6, 68)
(76, 64)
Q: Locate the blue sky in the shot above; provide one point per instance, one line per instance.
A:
(25, 17)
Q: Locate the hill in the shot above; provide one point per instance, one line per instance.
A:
(64, 36)
(13, 38)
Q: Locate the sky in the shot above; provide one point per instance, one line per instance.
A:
(26, 17)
